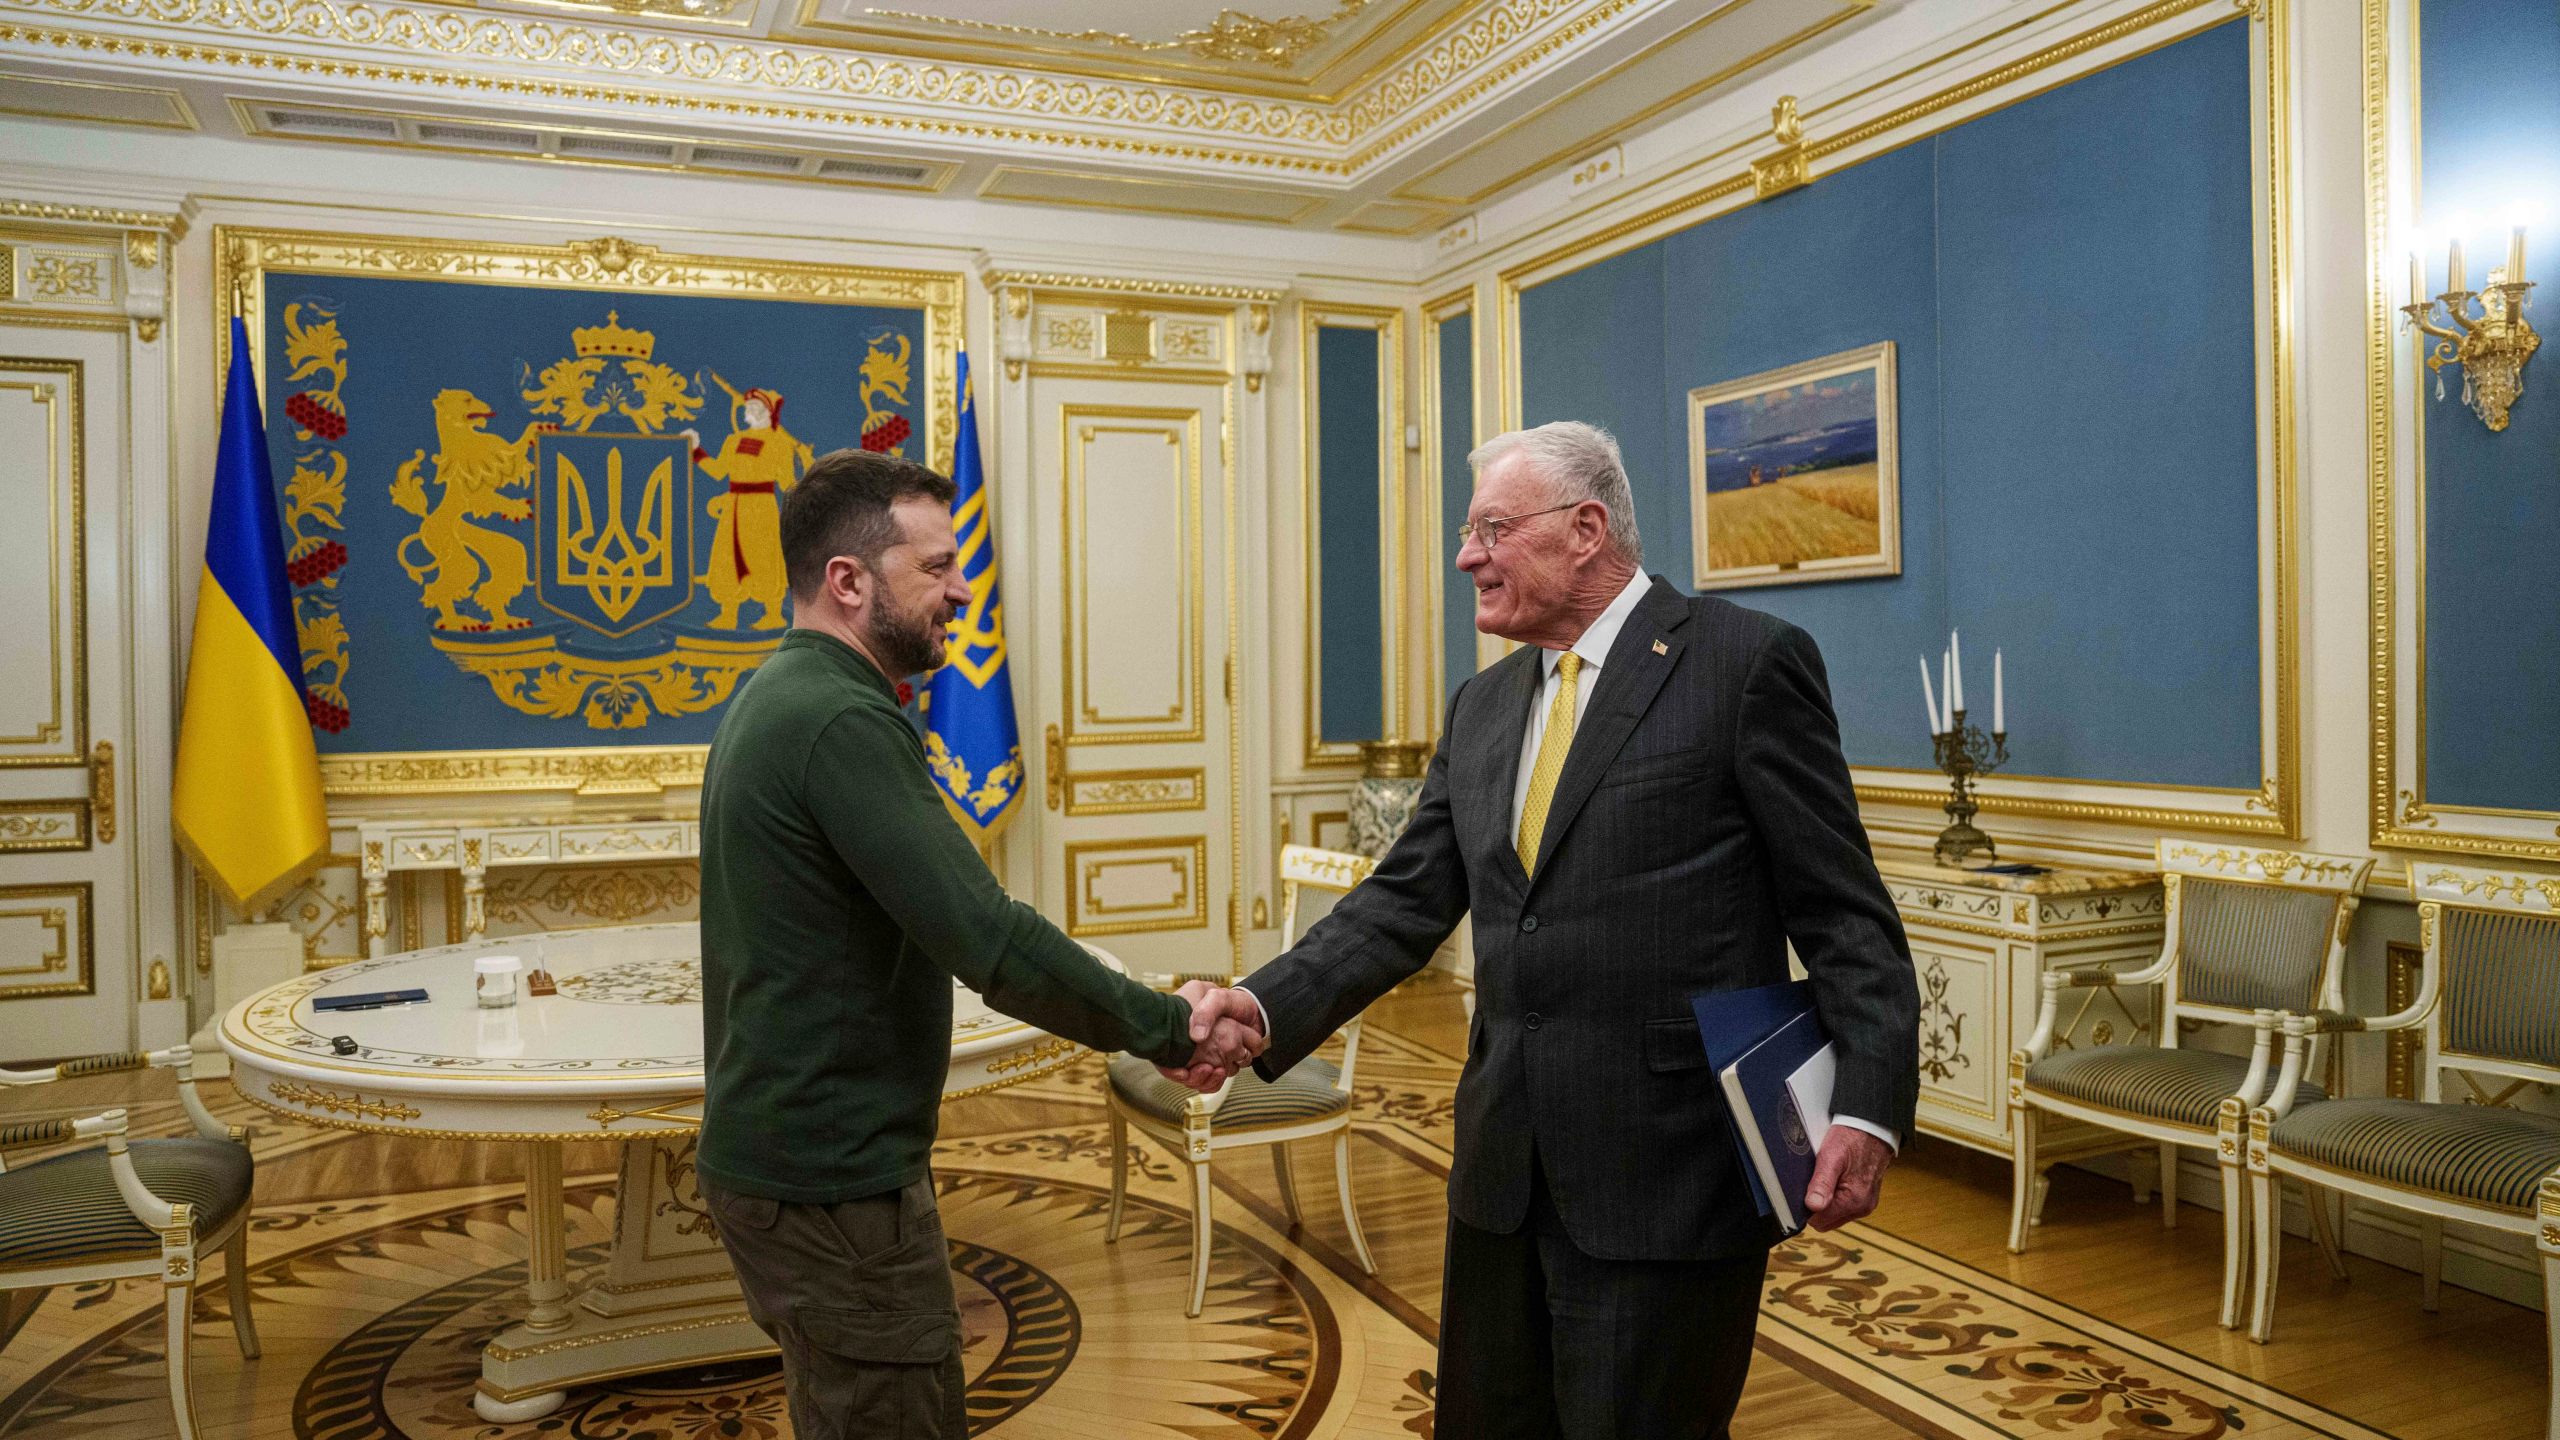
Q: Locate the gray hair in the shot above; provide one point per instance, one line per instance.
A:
(1579, 462)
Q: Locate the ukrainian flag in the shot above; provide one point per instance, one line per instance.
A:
(971, 741)
(247, 797)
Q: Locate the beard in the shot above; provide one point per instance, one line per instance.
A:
(908, 642)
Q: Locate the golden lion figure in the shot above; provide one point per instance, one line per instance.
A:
(474, 471)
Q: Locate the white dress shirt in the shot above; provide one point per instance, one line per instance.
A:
(1593, 647)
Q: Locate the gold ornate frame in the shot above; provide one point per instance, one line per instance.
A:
(1436, 313)
(2273, 807)
(242, 258)
(2396, 491)
(1388, 323)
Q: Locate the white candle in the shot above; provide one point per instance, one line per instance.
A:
(1946, 719)
(1999, 705)
(2515, 256)
(1930, 693)
(2453, 267)
(2417, 277)
(1955, 670)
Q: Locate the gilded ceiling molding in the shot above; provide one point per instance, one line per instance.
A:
(1122, 285)
(1405, 104)
(1232, 36)
(171, 223)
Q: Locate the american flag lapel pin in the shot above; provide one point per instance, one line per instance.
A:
(1661, 649)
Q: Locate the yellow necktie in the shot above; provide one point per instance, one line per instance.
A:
(1551, 752)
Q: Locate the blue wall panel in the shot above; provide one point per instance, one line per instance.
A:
(1457, 367)
(2100, 363)
(2492, 672)
(1349, 522)
(2067, 283)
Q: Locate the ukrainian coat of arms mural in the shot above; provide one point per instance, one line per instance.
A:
(532, 494)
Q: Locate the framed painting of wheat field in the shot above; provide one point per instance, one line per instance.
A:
(1793, 473)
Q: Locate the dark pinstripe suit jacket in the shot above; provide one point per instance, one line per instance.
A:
(1703, 820)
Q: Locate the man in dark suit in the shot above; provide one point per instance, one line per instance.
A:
(1645, 802)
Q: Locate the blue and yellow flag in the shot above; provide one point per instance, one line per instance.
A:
(246, 800)
(971, 741)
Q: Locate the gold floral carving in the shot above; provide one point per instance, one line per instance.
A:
(611, 896)
(1233, 36)
(313, 1097)
(64, 275)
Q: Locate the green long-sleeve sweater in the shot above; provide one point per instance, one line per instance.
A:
(838, 900)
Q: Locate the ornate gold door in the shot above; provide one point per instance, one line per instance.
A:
(1135, 635)
(68, 977)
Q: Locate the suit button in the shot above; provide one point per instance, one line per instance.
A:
(1528, 924)
(1533, 1021)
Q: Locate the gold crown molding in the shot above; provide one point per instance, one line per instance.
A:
(620, 771)
(1129, 285)
(1403, 104)
(169, 223)
(1233, 36)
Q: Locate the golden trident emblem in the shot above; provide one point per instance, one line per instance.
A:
(613, 567)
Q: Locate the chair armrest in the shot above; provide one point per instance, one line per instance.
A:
(1350, 1033)
(54, 1132)
(107, 1064)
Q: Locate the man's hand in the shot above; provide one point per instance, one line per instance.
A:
(1226, 1035)
(1848, 1178)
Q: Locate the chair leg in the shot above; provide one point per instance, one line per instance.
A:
(1350, 1216)
(1119, 1173)
(1288, 1182)
(2235, 1241)
(2022, 1175)
(235, 1275)
(2324, 1229)
(2431, 1267)
(2168, 1181)
(1199, 1237)
(2551, 1313)
(2266, 1227)
(178, 1299)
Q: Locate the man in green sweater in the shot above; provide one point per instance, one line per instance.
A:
(838, 901)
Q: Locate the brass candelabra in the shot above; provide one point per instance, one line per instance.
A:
(1964, 752)
(2491, 348)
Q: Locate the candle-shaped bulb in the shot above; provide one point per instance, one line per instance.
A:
(1929, 693)
(2417, 278)
(2515, 256)
(1999, 700)
(2453, 267)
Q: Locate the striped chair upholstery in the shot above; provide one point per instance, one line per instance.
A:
(66, 1209)
(2502, 986)
(2252, 947)
(2184, 1087)
(2480, 1153)
(1305, 1093)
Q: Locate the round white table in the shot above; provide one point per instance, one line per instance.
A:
(616, 1054)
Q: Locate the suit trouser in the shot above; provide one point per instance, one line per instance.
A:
(1539, 1341)
(858, 1296)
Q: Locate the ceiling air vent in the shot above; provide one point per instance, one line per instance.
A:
(611, 148)
(478, 137)
(871, 170)
(324, 122)
(731, 157)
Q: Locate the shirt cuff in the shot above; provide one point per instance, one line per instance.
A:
(1891, 1141)
(1259, 1014)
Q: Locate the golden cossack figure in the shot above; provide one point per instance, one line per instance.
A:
(759, 460)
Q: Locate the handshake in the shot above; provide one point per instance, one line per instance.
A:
(1226, 1035)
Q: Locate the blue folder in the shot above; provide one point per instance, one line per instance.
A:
(1739, 1025)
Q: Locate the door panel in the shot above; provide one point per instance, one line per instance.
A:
(1133, 633)
(66, 950)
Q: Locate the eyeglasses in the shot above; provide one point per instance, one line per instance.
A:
(1489, 529)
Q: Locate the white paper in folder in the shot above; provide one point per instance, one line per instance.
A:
(1810, 1087)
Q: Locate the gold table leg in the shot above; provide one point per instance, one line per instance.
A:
(546, 1226)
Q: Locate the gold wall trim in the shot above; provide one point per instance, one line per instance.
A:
(618, 770)
(78, 953)
(1388, 323)
(173, 225)
(182, 115)
(1189, 855)
(1136, 792)
(2273, 806)
(1140, 195)
(30, 827)
(1130, 285)
(2399, 814)
(1075, 708)
(1436, 312)
(66, 390)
